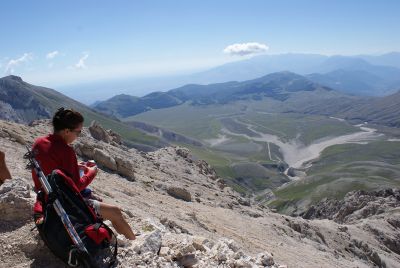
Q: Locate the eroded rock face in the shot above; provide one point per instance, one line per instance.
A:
(106, 155)
(368, 210)
(8, 113)
(206, 169)
(306, 230)
(23, 105)
(115, 138)
(363, 251)
(104, 159)
(99, 133)
(15, 201)
(355, 205)
(125, 168)
(183, 152)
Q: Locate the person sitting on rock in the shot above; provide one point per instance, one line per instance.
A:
(54, 152)
(4, 172)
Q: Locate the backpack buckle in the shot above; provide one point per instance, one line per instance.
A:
(71, 258)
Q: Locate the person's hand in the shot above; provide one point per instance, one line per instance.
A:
(92, 169)
(82, 167)
(90, 163)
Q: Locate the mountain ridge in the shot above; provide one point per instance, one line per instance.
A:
(22, 102)
(276, 86)
(384, 65)
(241, 70)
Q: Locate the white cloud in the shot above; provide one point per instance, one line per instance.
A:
(52, 55)
(81, 63)
(10, 67)
(246, 49)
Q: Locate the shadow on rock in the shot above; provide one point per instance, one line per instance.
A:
(9, 226)
(35, 250)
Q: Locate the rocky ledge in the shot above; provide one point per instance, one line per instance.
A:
(356, 205)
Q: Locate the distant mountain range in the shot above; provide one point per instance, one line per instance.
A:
(278, 86)
(365, 75)
(388, 59)
(353, 82)
(304, 64)
(361, 74)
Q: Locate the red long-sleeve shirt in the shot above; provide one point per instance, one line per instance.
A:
(52, 152)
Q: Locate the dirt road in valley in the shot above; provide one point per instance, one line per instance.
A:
(296, 154)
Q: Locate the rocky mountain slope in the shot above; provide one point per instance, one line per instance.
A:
(380, 111)
(163, 133)
(22, 102)
(186, 215)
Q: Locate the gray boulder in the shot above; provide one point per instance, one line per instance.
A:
(179, 193)
(125, 168)
(98, 132)
(149, 243)
(104, 159)
(15, 201)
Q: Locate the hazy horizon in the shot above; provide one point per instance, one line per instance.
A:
(64, 43)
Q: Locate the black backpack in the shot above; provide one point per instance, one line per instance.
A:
(95, 236)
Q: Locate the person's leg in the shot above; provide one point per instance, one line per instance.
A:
(113, 213)
(4, 172)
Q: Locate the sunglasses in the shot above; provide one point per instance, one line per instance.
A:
(77, 132)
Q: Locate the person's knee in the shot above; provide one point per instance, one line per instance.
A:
(115, 212)
(118, 211)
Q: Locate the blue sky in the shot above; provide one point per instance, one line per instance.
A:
(56, 43)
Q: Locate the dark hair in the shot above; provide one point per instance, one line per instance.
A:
(66, 119)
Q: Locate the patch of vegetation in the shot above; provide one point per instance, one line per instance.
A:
(220, 162)
(237, 187)
(148, 228)
(341, 169)
(240, 148)
(199, 122)
(307, 128)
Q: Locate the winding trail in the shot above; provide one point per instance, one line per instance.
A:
(217, 141)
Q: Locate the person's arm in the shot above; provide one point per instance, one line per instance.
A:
(4, 172)
(87, 178)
